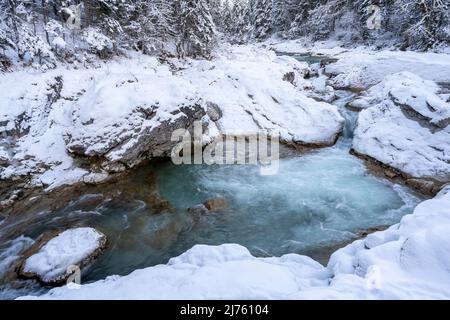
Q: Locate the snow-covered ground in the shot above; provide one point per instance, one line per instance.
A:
(128, 108)
(407, 261)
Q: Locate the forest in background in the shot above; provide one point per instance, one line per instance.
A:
(43, 32)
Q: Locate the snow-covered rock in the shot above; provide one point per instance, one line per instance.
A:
(79, 246)
(408, 261)
(406, 128)
(360, 68)
(124, 111)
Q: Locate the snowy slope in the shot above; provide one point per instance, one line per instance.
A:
(407, 261)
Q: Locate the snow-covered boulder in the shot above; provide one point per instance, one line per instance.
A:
(50, 264)
(406, 128)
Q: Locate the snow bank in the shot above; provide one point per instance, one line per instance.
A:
(127, 109)
(71, 247)
(224, 272)
(407, 261)
(406, 126)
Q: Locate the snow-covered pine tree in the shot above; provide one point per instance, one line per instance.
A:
(227, 17)
(282, 15)
(160, 14)
(299, 10)
(8, 37)
(262, 24)
(153, 26)
(196, 29)
(10, 20)
(322, 19)
(216, 8)
(423, 21)
(240, 22)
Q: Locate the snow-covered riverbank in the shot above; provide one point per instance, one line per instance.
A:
(125, 111)
(407, 261)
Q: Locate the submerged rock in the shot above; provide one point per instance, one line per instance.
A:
(198, 210)
(157, 203)
(216, 204)
(405, 131)
(52, 257)
(152, 196)
(212, 205)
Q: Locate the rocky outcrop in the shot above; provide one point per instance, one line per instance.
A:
(130, 147)
(403, 131)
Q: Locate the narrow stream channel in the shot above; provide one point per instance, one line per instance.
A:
(318, 200)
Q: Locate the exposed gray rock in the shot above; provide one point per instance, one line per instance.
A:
(289, 77)
(213, 111)
(129, 148)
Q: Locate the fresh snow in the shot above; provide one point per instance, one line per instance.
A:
(70, 247)
(363, 68)
(407, 261)
(405, 126)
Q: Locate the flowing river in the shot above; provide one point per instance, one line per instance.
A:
(317, 202)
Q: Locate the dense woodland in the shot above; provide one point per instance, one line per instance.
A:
(45, 31)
